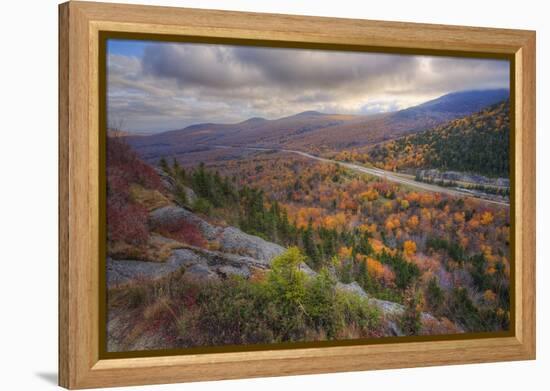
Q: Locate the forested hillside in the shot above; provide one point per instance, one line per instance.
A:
(476, 143)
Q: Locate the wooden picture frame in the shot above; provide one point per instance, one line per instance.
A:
(80, 25)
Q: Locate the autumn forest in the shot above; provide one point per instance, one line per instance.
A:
(311, 226)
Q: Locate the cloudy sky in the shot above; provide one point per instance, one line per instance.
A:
(154, 86)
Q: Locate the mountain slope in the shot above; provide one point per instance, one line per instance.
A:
(461, 103)
(475, 143)
(370, 130)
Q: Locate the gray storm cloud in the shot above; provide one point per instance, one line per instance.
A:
(237, 67)
(174, 85)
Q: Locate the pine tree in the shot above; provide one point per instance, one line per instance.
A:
(175, 166)
(164, 165)
(178, 171)
(309, 245)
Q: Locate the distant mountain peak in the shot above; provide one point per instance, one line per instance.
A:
(310, 112)
(456, 104)
(254, 120)
(459, 99)
(198, 126)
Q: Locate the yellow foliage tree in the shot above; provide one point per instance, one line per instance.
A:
(344, 252)
(392, 222)
(459, 217)
(409, 247)
(413, 222)
(489, 296)
(486, 218)
(379, 271)
(369, 195)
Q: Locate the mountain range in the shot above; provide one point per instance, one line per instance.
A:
(318, 132)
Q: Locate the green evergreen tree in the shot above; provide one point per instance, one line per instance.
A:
(310, 247)
(164, 165)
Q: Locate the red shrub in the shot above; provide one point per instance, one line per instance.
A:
(183, 231)
(126, 163)
(118, 188)
(127, 222)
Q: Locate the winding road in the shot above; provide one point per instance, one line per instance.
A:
(402, 179)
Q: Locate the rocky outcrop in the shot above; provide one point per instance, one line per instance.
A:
(390, 310)
(235, 241)
(199, 263)
(170, 184)
(231, 239)
(167, 181)
(123, 271)
(352, 287)
(238, 252)
(190, 195)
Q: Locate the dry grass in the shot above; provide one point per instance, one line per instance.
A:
(176, 311)
(157, 249)
(258, 275)
(150, 199)
(439, 327)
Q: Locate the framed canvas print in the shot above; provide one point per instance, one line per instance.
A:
(247, 195)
